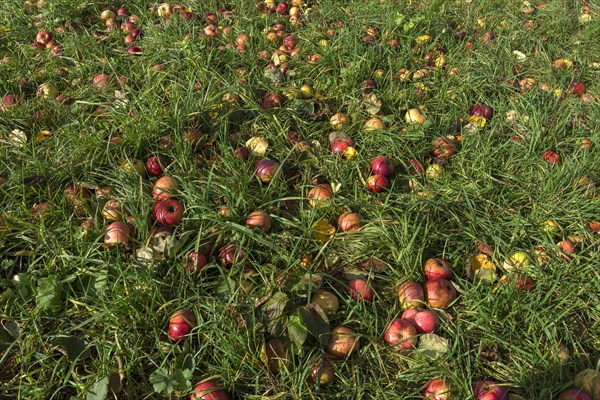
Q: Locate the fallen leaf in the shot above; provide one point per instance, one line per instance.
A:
(257, 145)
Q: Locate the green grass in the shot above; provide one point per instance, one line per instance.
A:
(73, 312)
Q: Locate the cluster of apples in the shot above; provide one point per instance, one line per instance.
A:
(44, 40)
(125, 22)
(586, 386)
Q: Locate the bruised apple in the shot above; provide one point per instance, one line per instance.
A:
(343, 342)
(164, 188)
(411, 294)
(439, 293)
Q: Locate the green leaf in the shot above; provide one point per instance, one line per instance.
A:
(432, 345)
(99, 390)
(183, 377)
(48, 292)
(316, 322)
(162, 382)
(297, 330)
(74, 348)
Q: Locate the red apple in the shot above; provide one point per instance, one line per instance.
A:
(271, 100)
(242, 152)
(377, 183)
(169, 212)
(481, 110)
(101, 80)
(135, 51)
(381, 165)
(438, 389)
(401, 334)
(489, 390)
(260, 220)
(209, 390)
(117, 233)
(181, 324)
(425, 321)
(551, 157)
(437, 268)
(589, 381)
(573, 394)
(155, 165)
(411, 295)
(350, 222)
(195, 261)
(265, 170)
(164, 188)
(340, 145)
(439, 293)
(360, 289)
(321, 370)
(7, 101)
(343, 342)
(44, 37)
(231, 254)
(576, 88)
(320, 194)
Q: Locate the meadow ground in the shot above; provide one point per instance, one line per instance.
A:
(486, 110)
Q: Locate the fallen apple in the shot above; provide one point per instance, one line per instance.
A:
(276, 355)
(231, 254)
(435, 268)
(378, 183)
(265, 170)
(328, 301)
(401, 334)
(414, 117)
(589, 381)
(438, 389)
(425, 321)
(489, 390)
(116, 234)
(439, 293)
(381, 165)
(360, 289)
(169, 212)
(350, 222)
(181, 324)
(551, 157)
(322, 370)
(259, 220)
(338, 120)
(343, 342)
(209, 390)
(574, 394)
(320, 195)
(195, 261)
(410, 295)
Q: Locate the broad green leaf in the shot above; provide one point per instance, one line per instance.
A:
(48, 292)
(74, 348)
(162, 382)
(296, 330)
(99, 390)
(316, 322)
(432, 345)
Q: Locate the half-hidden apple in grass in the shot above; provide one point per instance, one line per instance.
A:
(265, 170)
(327, 300)
(169, 212)
(435, 268)
(320, 195)
(439, 293)
(381, 165)
(410, 295)
(414, 117)
(259, 220)
(438, 389)
(322, 370)
(339, 145)
(209, 390)
(589, 381)
(401, 334)
(481, 110)
(276, 355)
(164, 188)
(489, 390)
(574, 394)
(231, 254)
(517, 261)
(425, 321)
(374, 124)
(350, 222)
(551, 157)
(378, 183)
(195, 261)
(155, 165)
(343, 342)
(116, 234)
(112, 210)
(360, 289)
(181, 324)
